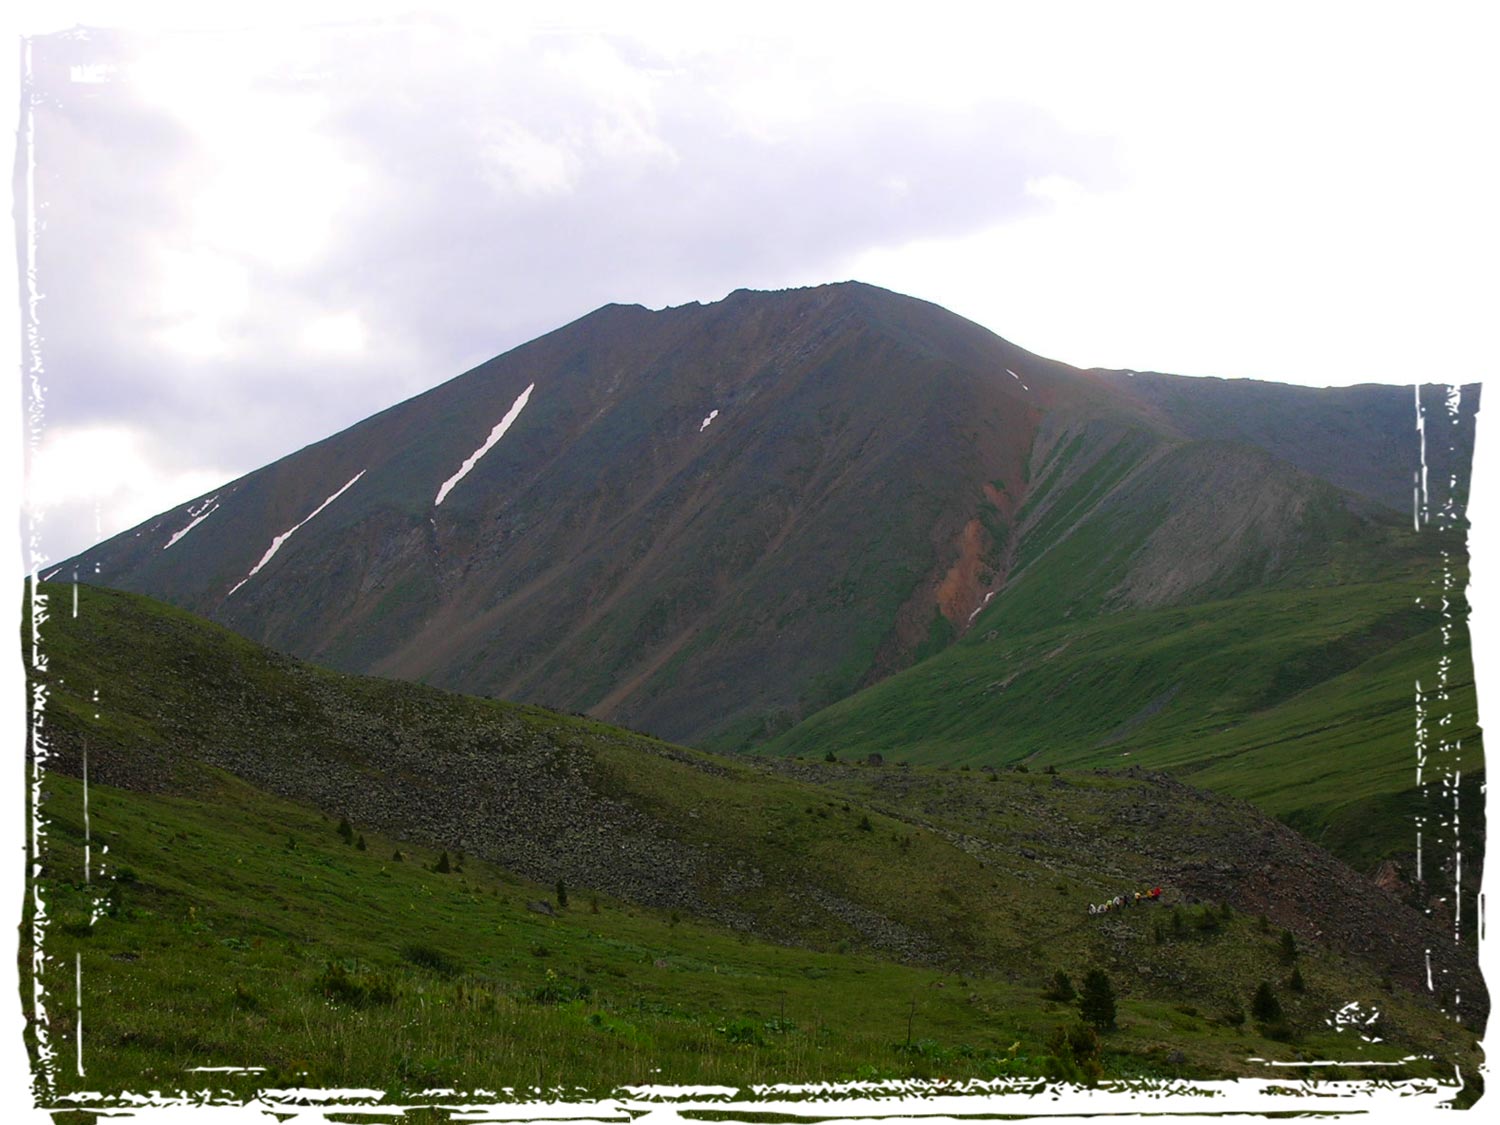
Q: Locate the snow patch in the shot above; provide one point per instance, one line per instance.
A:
(287, 534)
(1017, 378)
(982, 604)
(712, 414)
(495, 435)
(206, 509)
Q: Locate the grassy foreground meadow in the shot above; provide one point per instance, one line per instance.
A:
(245, 932)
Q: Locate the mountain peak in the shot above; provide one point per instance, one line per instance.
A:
(705, 518)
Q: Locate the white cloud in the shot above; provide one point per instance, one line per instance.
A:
(339, 333)
(516, 160)
(200, 296)
(268, 181)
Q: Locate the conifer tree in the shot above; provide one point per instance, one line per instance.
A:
(1096, 1002)
(1062, 988)
(1265, 1007)
(1288, 947)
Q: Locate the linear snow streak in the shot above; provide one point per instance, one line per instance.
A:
(209, 508)
(712, 414)
(982, 604)
(287, 534)
(495, 435)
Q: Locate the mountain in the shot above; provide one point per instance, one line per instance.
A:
(623, 903)
(710, 522)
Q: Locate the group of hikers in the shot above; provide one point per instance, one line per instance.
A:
(1119, 902)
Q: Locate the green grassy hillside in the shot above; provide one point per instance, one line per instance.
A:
(235, 930)
(1204, 608)
(1300, 700)
(726, 921)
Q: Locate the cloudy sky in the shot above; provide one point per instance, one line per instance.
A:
(256, 226)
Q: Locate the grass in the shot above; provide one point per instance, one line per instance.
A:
(238, 930)
(1300, 700)
(791, 924)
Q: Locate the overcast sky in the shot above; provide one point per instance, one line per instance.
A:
(254, 227)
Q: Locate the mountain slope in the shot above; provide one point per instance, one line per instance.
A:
(985, 879)
(1217, 613)
(711, 521)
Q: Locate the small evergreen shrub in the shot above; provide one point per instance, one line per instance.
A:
(1288, 948)
(1073, 1055)
(1096, 1003)
(1061, 989)
(1265, 1007)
